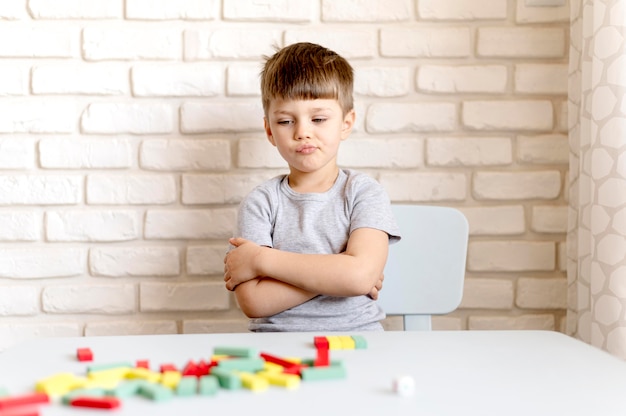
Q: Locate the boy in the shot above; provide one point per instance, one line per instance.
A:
(313, 243)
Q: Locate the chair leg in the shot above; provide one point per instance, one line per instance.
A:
(417, 323)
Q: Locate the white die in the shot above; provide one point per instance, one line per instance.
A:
(404, 386)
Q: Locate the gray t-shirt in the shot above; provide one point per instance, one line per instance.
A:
(276, 216)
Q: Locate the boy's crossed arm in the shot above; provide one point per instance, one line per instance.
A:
(269, 281)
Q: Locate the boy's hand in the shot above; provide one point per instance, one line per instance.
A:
(240, 263)
(377, 288)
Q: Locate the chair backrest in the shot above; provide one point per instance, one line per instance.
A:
(425, 270)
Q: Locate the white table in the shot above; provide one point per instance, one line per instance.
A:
(456, 373)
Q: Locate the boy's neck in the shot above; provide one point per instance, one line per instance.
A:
(315, 182)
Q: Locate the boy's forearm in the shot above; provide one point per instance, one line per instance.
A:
(264, 297)
(352, 273)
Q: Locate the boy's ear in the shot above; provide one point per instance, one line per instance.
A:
(348, 124)
(268, 131)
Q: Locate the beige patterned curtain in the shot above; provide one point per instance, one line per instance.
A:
(597, 181)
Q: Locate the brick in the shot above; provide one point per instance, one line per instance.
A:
(543, 322)
(527, 13)
(424, 187)
(382, 153)
(347, 42)
(462, 9)
(469, 151)
(447, 323)
(112, 299)
(215, 326)
(20, 226)
(185, 155)
(410, 117)
(541, 293)
(258, 153)
(49, 116)
(562, 122)
(172, 9)
(543, 149)
(206, 260)
(549, 219)
(366, 11)
(516, 185)
(541, 78)
(13, 80)
(75, 9)
(80, 79)
(189, 80)
(17, 153)
(488, 79)
(131, 189)
(19, 300)
(131, 44)
(243, 79)
(38, 42)
(284, 11)
(511, 256)
(41, 262)
(382, 81)
(134, 261)
(432, 42)
(12, 334)
(201, 296)
(219, 189)
(13, 10)
(124, 328)
(518, 115)
(92, 225)
(117, 118)
(62, 153)
(487, 293)
(201, 45)
(221, 117)
(561, 248)
(40, 189)
(496, 220)
(521, 42)
(218, 223)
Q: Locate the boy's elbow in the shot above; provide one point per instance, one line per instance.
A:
(246, 303)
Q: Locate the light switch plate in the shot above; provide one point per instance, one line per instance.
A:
(545, 3)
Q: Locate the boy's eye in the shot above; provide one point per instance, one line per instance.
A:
(284, 122)
(318, 120)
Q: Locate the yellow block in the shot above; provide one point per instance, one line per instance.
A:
(288, 381)
(117, 373)
(272, 367)
(347, 342)
(144, 374)
(334, 342)
(171, 379)
(253, 382)
(101, 383)
(58, 384)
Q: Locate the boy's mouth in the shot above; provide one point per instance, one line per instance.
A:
(306, 149)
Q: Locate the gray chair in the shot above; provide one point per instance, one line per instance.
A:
(425, 270)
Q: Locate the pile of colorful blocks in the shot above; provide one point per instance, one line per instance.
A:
(105, 385)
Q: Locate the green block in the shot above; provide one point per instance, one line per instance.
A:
(323, 373)
(359, 342)
(125, 389)
(97, 392)
(236, 351)
(3, 392)
(187, 386)
(249, 365)
(108, 366)
(226, 378)
(156, 392)
(208, 385)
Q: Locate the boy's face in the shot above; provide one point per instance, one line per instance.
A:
(307, 133)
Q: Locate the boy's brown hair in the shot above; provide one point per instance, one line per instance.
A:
(307, 71)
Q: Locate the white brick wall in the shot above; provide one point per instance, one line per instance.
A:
(131, 129)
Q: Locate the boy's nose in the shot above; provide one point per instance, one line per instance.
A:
(302, 131)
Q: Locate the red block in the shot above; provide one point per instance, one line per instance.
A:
(15, 401)
(288, 366)
(21, 411)
(84, 354)
(96, 402)
(142, 364)
(168, 367)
